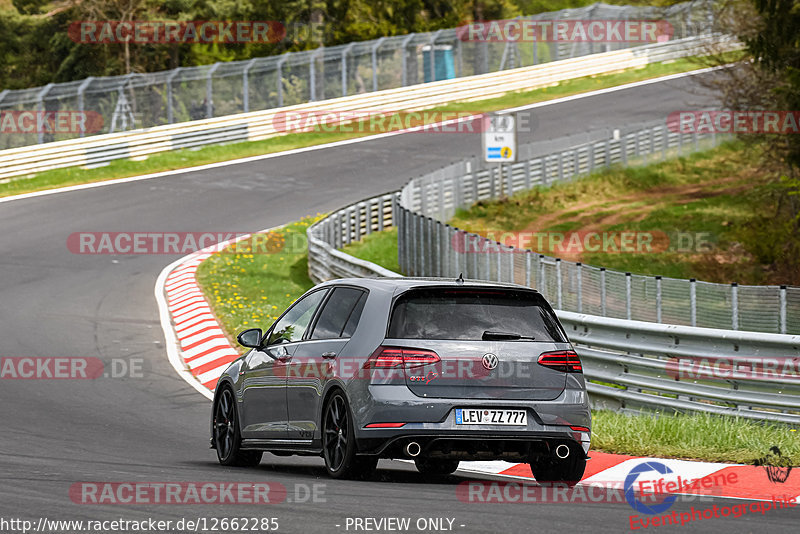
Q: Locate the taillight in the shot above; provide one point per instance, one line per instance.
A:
(566, 361)
(392, 357)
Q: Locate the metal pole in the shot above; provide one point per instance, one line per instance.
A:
(693, 300)
(375, 47)
(579, 275)
(558, 284)
(658, 299)
(81, 91)
(542, 287)
(628, 296)
(345, 51)
(170, 111)
(603, 291)
(404, 63)
(210, 91)
(279, 72)
(246, 85)
(735, 306)
(783, 310)
(40, 107)
(312, 72)
(528, 268)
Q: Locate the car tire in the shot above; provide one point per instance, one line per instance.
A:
(426, 466)
(569, 470)
(227, 435)
(339, 443)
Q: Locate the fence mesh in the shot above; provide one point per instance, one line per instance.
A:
(143, 100)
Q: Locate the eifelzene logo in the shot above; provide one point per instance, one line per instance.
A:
(777, 466)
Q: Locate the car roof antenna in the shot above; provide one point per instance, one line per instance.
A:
(460, 279)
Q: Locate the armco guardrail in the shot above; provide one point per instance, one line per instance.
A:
(100, 149)
(631, 365)
(150, 99)
(748, 374)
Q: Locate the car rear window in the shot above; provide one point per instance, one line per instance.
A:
(465, 314)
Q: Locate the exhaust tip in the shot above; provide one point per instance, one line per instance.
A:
(413, 449)
(562, 451)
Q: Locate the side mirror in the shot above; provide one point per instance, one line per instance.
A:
(250, 338)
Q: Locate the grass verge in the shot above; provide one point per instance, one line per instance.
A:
(247, 289)
(697, 436)
(700, 216)
(215, 153)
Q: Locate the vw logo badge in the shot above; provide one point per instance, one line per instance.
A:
(489, 361)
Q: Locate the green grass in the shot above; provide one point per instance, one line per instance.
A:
(705, 213)
(250, 290)
(210, 154)
(696, 436)
(380, 248)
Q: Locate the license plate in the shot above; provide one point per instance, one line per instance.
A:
(483, 416)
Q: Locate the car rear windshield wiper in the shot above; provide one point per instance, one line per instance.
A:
(490, 335)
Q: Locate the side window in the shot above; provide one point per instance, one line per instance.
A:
(337, 311)
(293, 324)
(355, 315)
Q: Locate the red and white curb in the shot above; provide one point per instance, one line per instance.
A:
(199, 351)
(610, 470)
(196, 344)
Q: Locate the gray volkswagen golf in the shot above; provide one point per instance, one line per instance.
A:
(434, 370)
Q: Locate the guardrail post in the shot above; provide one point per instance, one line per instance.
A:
(404, 59)
(628, 296)
(658, 299)
(374, 53)
(81, 91)
(279, 76)
(579, 276)
(558, 284)
(40, 107)
(735, 306)
(542, 286)
(603, 292)
(693, 300)
(246, 84)
(783, 310)
(210, 91)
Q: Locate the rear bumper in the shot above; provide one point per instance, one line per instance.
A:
(473, 445)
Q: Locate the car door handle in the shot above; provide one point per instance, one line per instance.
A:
(328, 355)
